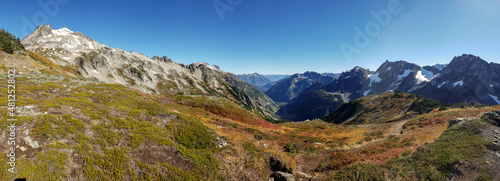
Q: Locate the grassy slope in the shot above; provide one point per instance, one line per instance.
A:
(457, 146)
(99, 128)
(100, 131)
(389, 107)
(123, 121)
(310, 105)
(112, 121)
(364, 147)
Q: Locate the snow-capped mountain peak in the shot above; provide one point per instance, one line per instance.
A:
(62, 32)
(63, 39)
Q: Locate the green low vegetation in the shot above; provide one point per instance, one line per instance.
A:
(461, 144)
(388, 107)
(105, 127)
(423, 105)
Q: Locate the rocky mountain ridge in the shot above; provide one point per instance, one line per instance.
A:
(158, 75)
(467, 78)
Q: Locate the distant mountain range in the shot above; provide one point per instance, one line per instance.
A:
(257, 80)
(322, 99)
(290, 87)
(254, 79)
(275, 77)
(265, 81)
(467, 78)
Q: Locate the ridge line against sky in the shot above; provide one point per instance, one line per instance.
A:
(276, 37)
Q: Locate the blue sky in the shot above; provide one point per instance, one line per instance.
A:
(279, 36)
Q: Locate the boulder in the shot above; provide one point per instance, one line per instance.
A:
(29, 141)
(491, 114)
(456, 121)
(282, 176)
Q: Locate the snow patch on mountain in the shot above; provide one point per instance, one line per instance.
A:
(461, 83)
(45, 38)
(495, 98)
(62, 32)
(428, 74)
(440, 85)
(389, 68)
(405, 73)
(491, 85)
(347, 77)
(374, 78)
(366, 93)
(421, 78)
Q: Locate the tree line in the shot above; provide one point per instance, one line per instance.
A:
(9, 42)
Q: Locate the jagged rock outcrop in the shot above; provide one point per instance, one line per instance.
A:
(163, 59)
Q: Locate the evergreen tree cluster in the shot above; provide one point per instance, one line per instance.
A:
(9, 42)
